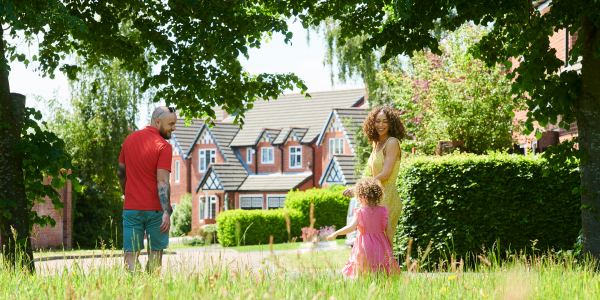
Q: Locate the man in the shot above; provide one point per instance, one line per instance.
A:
(144, 171)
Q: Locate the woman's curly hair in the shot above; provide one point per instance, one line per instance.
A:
(396, 126)
(371, 189)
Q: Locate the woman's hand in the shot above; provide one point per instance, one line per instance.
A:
(349, 192)
(331, 236)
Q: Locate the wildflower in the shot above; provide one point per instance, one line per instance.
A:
(452, 277)
(485, 296)
(260, 270)
(444, 289)
(212, 285)
(260, 275)
(73, 272)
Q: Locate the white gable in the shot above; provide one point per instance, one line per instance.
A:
(206, 138)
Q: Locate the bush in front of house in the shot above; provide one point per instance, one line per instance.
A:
(256, 226)
(331, 207)
(466, 202)
(182, 216)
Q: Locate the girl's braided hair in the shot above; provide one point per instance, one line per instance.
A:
(371, 189)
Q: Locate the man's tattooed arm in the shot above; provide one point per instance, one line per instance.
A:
(164, 189)
(122, 175)
(164, 195)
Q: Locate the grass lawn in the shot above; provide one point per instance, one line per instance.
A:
(282, 246)
(310, 276)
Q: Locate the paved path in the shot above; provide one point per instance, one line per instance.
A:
(186, 259)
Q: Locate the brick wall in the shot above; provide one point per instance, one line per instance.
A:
(179, 189)
(60, 235)
(274, 167)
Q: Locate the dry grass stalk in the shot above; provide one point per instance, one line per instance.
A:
(271, 245)
(288, 225)
(410, 241)
(484, 260)
(427, 250)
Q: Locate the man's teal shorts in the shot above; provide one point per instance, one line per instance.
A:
(138, 222)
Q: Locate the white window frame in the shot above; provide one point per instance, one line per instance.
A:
(533, 147)
(201, 205)
(173, 205)
(177, 168)
(262, 155)
(336, 146)
(249, 153)
(275, 196)
(212, 199)
(202, 163)
(262, 202)
(293, 156)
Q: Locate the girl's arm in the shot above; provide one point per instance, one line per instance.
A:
(389, 233)
(392, 149)
(349, 228)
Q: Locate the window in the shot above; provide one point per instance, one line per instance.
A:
(275, 201)
(251, 202)
(173, 208)
(201, 204)
(249, 152)
(212, 207)
(533, 147)
(205, 158)
(336, 146)
(295, 157)
(177, 171)
(267, 155)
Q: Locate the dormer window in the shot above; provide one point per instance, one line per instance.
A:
(295, 157)
(205, 158)
(267, 156)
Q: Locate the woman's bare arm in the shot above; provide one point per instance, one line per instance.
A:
(392, 149)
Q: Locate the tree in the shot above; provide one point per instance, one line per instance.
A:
(102, 113)
(451, 96)
(518, 31)
(182, 216)
(196, 42)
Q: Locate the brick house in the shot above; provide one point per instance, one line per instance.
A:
(285, 144)
(562, 42)
(58, 236)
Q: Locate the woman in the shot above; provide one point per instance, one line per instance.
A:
(384, 129)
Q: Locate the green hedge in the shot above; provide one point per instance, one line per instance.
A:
(464, 202)
(258, 225)
(331, 208)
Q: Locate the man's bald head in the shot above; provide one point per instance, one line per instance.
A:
(164, 120)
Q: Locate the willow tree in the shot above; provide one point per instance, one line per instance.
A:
(196, 42)
(519, 31)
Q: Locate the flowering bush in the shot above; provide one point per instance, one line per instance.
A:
(309, 234)
(325, 231)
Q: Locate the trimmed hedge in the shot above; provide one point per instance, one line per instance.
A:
(264, 224)
(331, 208)
(464, 202)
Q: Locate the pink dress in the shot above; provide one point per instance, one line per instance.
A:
(372, 251)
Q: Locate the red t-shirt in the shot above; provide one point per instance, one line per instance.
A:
(143, 152)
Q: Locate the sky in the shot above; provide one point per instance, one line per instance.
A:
(301, 58)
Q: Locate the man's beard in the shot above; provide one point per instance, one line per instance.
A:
(166, 135)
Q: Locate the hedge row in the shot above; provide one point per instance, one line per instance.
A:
(330, 209)
(465, 202)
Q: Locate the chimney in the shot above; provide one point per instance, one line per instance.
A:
(224, 114)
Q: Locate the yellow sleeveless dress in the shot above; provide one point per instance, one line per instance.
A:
(391, 199)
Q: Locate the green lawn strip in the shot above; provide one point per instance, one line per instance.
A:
(306, 277)
(282, 246)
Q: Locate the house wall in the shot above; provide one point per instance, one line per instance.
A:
(196, 219)
(325, 147)
(243, 153)
(179, 189)
(557, 41)
(60, 235)
(307, 156)
(264, 195)
(275, 167)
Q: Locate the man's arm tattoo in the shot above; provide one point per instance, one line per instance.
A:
(121, 173)
(164, 195)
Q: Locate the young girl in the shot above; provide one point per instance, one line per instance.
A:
(372, 251)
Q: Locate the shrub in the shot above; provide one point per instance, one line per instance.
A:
(258, 226)
(182, 216)
(194, 242)
(331, 207)
(465, 202)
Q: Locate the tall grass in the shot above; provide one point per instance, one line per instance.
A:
(218, 274)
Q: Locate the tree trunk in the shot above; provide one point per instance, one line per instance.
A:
(12, 188)
(587, 110)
